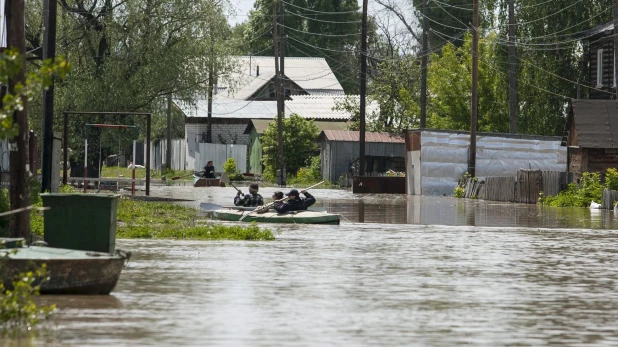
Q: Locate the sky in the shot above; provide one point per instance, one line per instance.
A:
(244, 6)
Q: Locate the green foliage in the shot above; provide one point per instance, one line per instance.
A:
(206, 232)
(611, 179)
(11, 63)
(145, 219)
(18, 310)
(450, 84)
(458, 192)
(299, 135)
(590, 190)
(235, 177)
(309, 174)
(230, 166)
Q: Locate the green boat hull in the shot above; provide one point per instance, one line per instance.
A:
(70, 271)
(296, 217)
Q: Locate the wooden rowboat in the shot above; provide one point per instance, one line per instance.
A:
(69, 271)
(294, 217)
(205, 182)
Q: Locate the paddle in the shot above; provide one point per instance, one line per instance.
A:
(266, 207)
(238, 190)
(208, 207)
(179, 177)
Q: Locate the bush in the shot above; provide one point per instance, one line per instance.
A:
(611, 179)
(230, 166)
(17, 307)
(459, 192)
(590, 190)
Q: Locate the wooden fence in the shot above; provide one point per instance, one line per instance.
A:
(523, 188)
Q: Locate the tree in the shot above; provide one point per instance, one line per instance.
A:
(299, 135)
(128, 55)
(449, 88)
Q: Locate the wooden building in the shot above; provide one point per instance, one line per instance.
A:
(591, 136)
(599, 61)
(340, 150)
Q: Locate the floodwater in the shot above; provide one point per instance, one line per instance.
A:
(416, 271)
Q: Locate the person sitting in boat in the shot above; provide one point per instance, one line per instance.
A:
(295, 202)
(249, 200)
(209, 170)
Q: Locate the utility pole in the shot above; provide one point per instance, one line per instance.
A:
(512, 70)
(18, 156)
(281, 179)
(615, 13)
(363, 89)
(49, 52)
(475, 82)
(424, 53)
(211, 81)
(168, 151)
(282, 55)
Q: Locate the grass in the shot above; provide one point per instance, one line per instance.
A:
(148, 219)
(143, 219)
(113, 171)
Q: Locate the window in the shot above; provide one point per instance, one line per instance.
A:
(599, 68)
(614, 85)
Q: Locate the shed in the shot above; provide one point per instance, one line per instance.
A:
(591, 136)
(340, 149)
(436, 159)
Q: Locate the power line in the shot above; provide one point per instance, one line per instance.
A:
(315, 11)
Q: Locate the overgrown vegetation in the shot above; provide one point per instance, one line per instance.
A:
(18, 311)
(590, 189)
(145, 219)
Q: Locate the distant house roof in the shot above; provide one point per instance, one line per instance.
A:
(229, 108)
(313, 75)
(260, 125)
(596, 30)
(316, 107)
(322, 106)
(596, 123)
(354, 136)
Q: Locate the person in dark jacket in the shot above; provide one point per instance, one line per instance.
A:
(209, 170)
(295, 202)
(249, 200)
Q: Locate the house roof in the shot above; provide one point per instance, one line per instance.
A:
(594, 31)
(261, 125)
(596, 123)
(354, 136)
(316, 107)
(228, 108)
(322, 106)
(311, 74)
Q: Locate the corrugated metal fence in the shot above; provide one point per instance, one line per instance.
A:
(609, 199)
(219, 153)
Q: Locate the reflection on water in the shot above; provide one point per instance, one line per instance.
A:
(429, 210)
(387, 281)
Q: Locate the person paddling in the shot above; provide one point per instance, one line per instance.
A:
(209, 170)
(295, 202)
(249, 200)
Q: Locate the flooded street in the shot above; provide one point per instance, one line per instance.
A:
(397, 271)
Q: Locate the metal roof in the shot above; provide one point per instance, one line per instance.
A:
(322, 106)
(596, 30)
(311, 74)
(261, 125)
(229, 108)
(354, 136)
(596, 123)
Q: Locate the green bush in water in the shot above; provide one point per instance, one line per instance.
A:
(207, 232)
(590, 190)
(18, 311)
